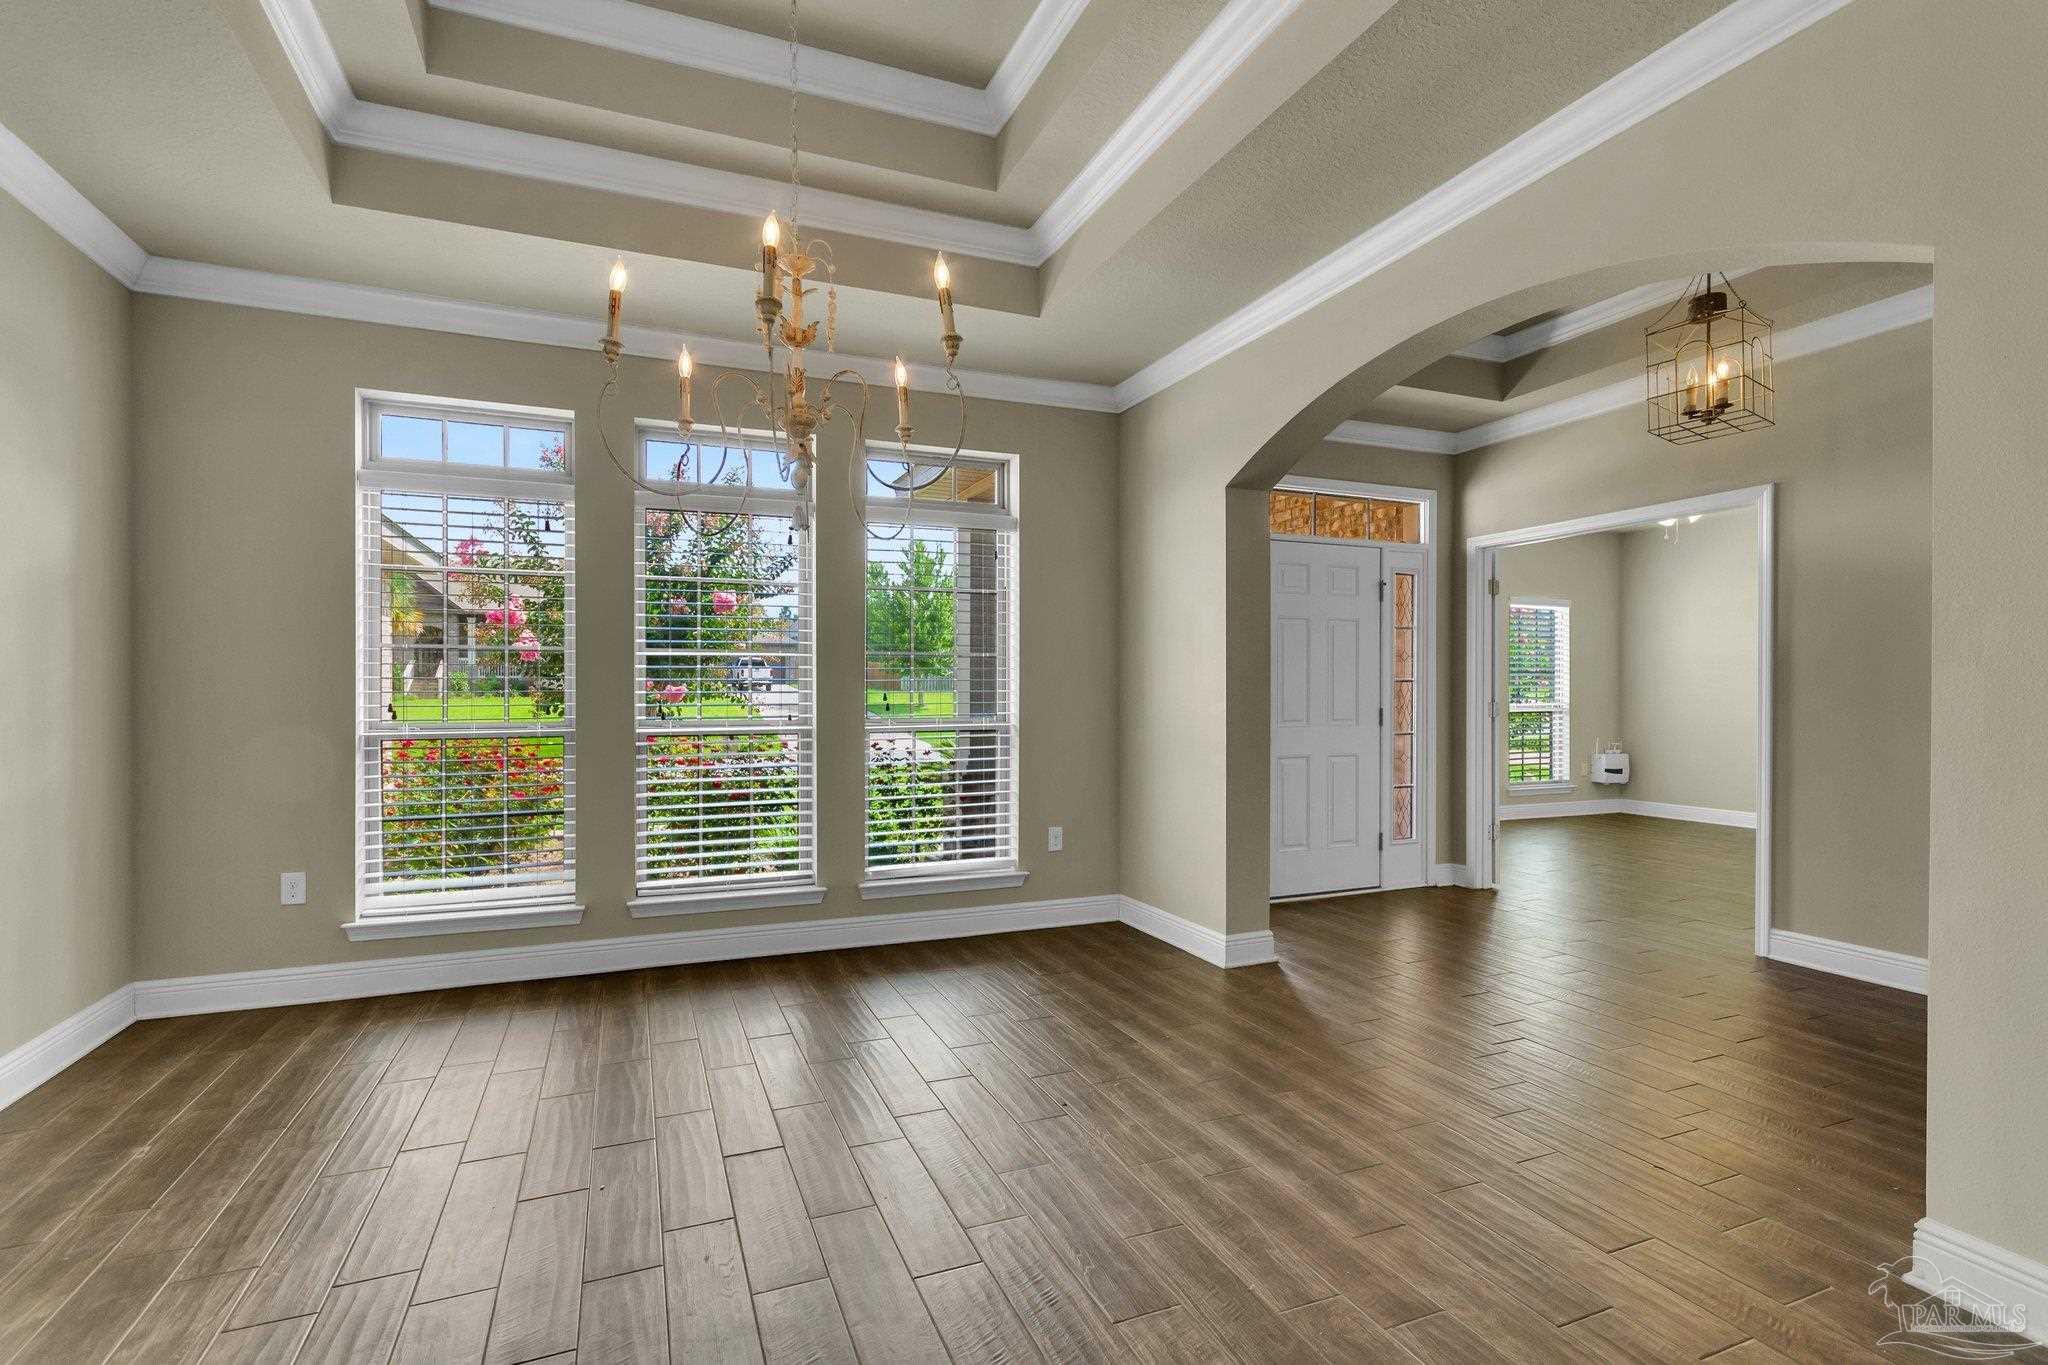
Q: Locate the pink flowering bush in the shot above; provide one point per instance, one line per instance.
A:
(464, 805)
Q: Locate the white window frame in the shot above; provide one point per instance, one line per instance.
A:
(1560, 709)
(799, 886)
(534, 904)
(964, 874)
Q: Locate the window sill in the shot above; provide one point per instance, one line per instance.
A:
(1519, 787)
(710, 902)
(462, 921)
(882, 888)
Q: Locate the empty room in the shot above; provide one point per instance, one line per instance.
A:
(1627, 677)
(771, 680)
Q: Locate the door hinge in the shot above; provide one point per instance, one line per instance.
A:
(1383, 841)
(1383, 718)
(1493, 587)
(1383, 590)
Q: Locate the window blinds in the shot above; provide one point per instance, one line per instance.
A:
(466, 705)
(723, 673)
(940, 684)
(1539, 693)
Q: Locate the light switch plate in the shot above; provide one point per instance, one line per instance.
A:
(1055, 838)
(291, 888)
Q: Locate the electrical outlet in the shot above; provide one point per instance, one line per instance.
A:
(1055, 838)
(291, 888)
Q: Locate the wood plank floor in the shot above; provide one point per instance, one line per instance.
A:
(1571, 1121)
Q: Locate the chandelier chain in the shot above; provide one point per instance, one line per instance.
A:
(796, 188)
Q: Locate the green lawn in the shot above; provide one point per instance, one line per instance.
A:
(465, 708)
(883, 702)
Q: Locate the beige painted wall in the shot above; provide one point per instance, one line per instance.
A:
(1585, 574)
(64, 804)
(244, 611)
(1688, 662)
(1851, 460)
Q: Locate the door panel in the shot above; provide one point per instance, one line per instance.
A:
(1326, 724)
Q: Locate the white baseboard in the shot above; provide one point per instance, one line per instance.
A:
(1218, 950)
(1557, 810)
(1448, 874)
(28, 1066)
(1879, 965)
(1948, 1259)
(1618, 805)
(64, 1042)
(485, 966)
(1699, 815)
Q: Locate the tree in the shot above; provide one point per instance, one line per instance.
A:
(707, 573)
(910, 610)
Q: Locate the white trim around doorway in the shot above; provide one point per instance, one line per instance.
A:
(1482, 806)
(1425, 655)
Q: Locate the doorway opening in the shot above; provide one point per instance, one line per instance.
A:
(1619, 728)
(1353, 710)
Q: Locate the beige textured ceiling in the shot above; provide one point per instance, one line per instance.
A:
(949, 39)
(192, 135)
(1441, 398)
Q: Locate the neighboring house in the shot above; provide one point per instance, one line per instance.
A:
(447, 619)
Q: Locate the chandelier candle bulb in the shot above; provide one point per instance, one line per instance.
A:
(949, 335)
(902, 396)
(771, 237)
(683, 368)
(618, 285)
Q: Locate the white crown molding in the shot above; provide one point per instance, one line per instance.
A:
(312, 56)
(1879, 965)
(24, 1068)
(1033, 51)
(1949, 1259)
(1701, 54)
(1222, 47)
(1389, 437)
(1231, 37)
(396, 308)
(535, 156)
(1218, 950)
(683, 40)
(52, 198)
(1502, 347)
(1808, 338)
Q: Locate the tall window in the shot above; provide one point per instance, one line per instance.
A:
(722, 674)
(466, 696)
(1539, 692)
(941, 667)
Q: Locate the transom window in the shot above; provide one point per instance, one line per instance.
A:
(1539, 692)
(723, 672)
(466, 693)
(1330, 516)
(939, 690)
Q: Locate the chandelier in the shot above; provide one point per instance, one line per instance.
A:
(1709, 371)
(792, 405)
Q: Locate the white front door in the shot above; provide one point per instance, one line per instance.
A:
(1326, 722)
